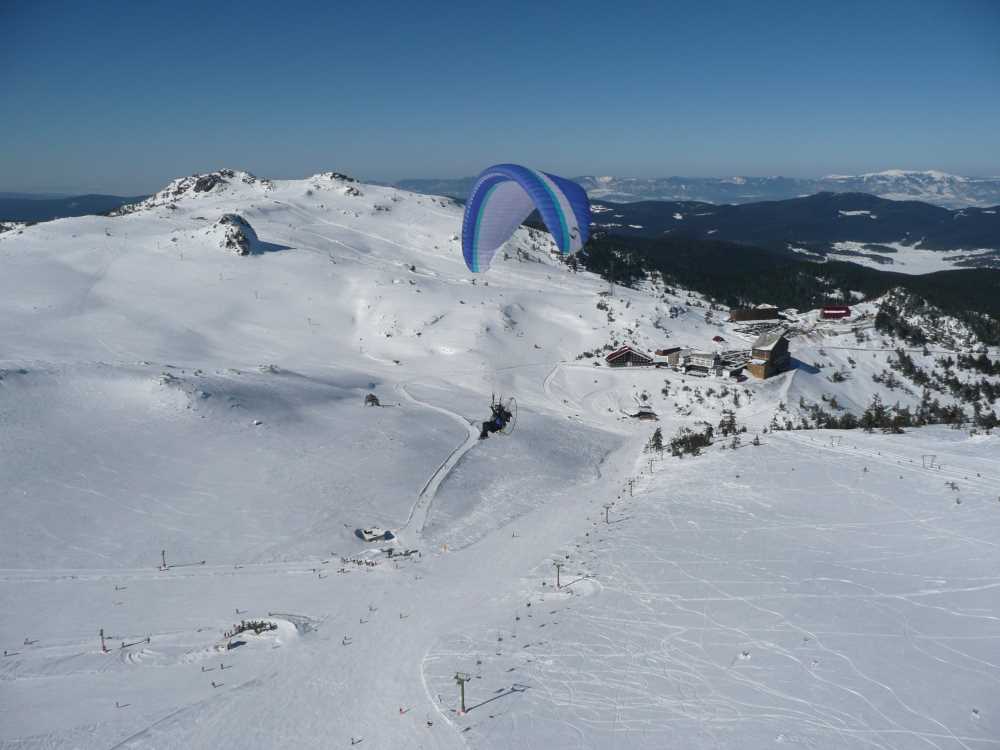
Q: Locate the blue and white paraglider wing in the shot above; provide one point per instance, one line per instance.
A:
(504, 195)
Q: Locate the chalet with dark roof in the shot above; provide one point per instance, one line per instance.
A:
(628, 356)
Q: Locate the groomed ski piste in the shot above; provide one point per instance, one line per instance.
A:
(162, 396)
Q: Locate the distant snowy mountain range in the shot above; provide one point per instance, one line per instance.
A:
(906, 236)
(938, 188)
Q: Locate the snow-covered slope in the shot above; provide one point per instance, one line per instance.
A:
(818, 590)
(164, 394)
(908, 259)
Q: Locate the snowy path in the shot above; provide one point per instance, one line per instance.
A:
(421, 508)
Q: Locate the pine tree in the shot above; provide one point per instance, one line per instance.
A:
(656, 441)
(727, 425)
(875, 415)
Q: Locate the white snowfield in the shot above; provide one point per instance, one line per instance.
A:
(161, 394)
(908, 259)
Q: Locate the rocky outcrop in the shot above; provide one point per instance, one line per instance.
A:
(210, 182)
(236, 234)
(338, 176)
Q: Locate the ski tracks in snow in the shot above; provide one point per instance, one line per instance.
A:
(421, 508)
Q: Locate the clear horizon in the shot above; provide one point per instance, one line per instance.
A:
(123, 98)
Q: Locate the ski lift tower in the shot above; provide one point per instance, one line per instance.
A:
(461, 678)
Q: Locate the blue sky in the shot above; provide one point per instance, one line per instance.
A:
(122, 96)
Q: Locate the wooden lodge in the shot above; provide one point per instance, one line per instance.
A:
(769, 355)
(627, 356)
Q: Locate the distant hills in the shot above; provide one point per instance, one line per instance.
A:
(19, 207)
(908, 236)
(937, 188)
(817, 224)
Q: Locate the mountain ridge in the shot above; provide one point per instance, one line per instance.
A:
(907, 236)
(938, 188)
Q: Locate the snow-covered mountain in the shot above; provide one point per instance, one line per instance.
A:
(906, 236)
(938, 188)
(185, 382)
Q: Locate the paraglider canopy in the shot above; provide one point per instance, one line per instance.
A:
(504, 195)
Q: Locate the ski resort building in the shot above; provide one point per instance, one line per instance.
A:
(675, 357)
(627, 356)
(668, 351)
(835, 312)
(701, 363)
(753, 313)
(666, 357)
(769, 355)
